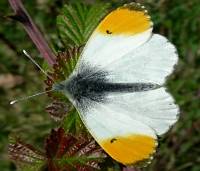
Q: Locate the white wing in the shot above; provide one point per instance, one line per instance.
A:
(154, 108)
(151, 62)
(102, 49)
(126, 124)
(125, 139)
(130, 26)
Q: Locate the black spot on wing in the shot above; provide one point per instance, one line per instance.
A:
(113, 140)
(108, 32)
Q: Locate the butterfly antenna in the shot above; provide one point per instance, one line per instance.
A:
(28, 97)
(29, 56)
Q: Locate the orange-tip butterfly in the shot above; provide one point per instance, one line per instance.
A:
(118, 85)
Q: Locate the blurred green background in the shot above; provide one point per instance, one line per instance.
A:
(179, 20)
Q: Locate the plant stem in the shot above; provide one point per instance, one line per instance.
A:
(23, 17)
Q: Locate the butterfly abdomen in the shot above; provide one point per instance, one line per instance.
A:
(90, 84)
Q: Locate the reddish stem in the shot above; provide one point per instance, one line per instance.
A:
(22, 16)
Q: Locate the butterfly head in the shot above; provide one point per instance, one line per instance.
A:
(62, 87)
(72, 88)
(59, 86)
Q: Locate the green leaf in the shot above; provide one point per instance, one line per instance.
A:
(72, 123)
(77, 22)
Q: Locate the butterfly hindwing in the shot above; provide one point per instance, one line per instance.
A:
(154, 108)
(151, 62)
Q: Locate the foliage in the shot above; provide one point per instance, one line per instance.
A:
(178, 20)
(77, 22)
(63, 152)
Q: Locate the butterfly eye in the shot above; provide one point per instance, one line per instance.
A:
(58, 86)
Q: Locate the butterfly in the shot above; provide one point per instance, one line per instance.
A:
(118, 85)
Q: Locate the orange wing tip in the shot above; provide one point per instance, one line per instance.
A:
(129, 19)
(134, 6)
(143, 163)
(130, 150)
(138, 7)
